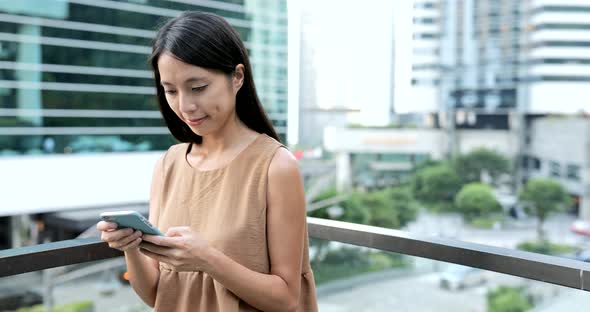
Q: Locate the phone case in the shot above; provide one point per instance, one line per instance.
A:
(131, 219)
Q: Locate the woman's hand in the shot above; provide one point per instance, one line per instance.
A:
(123, 239)
(181, 247)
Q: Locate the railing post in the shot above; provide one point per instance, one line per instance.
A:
(48, 290)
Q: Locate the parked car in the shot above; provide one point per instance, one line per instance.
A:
(15, 298)
(581, 227)
(583, 255)
(510, 204)
(457, 277)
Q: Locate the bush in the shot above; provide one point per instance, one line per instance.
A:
(545, 247)
(326, 194)
(350, 261)
(356, 209)
(476, 200)
(508, 299)
(323, 212)
(390, 208)
(82, 306)
(404, 204)
(486, 222)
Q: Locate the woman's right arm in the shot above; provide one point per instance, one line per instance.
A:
(144, 272)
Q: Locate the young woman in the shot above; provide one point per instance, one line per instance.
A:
(230, 198)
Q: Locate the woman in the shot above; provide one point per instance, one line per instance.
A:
(230, 198)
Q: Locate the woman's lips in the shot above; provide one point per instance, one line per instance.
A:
(196, 121)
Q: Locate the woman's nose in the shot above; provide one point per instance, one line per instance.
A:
(185, 104)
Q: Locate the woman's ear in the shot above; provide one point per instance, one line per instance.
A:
(238, 78)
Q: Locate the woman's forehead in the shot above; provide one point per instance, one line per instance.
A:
(169, 61)
(171, 67)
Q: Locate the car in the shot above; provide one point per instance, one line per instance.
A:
(583, 255)
(458, 277)
(15, 298)
(581, 227)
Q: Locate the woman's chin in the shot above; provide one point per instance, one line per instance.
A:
(199, 130)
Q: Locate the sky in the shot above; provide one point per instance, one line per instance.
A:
(353, 43)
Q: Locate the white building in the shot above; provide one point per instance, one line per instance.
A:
(493, 57)
(558, 148)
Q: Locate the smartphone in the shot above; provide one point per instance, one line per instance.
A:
(131, 219)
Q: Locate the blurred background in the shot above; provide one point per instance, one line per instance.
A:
(460, 119)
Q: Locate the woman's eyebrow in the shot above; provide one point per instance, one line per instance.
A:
(192, 79)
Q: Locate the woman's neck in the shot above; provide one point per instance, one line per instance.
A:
(232, 135)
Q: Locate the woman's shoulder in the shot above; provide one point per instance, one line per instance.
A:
(270, 142)
(283, 162)
(262, 151)
(172, 156)
(178, 148)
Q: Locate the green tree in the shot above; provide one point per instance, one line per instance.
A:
(470, 166)
(436, 186)
(354, 210)
(543, 197)
(508, 299)
(390, 208)
(476, 200)
(380, 211)
(403, 203)
(426, 163)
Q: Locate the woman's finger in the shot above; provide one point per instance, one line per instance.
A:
(106, 226)
(153, 248)
(117, 235)
(125, 240)
(134, 244)
(155, 256)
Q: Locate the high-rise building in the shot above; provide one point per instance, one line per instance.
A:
(268, 54)
(485, 59)
(425, 56)
(74, 75)
(499, 65)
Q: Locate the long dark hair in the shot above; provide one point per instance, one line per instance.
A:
(208, 41)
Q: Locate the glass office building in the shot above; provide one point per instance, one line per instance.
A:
(74, 75)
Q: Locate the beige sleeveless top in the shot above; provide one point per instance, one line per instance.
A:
(227, 206)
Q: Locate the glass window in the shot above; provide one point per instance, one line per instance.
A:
(573, 172)
(554, 169)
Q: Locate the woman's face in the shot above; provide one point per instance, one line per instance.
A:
(203, 99)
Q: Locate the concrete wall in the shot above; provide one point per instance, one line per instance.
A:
(376, 140)
(560, 139)
(567, 142)
(502, 141)
(415, 141)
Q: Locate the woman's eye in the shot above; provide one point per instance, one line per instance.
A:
(170, 92)
(201, 88)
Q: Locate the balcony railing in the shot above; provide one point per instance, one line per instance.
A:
(554, 270)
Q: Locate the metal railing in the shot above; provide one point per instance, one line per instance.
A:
(554, 270)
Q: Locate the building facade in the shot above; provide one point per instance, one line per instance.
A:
(509, 66)
(486, 59)
(74, 75)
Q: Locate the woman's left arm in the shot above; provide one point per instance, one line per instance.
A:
(286, 217)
